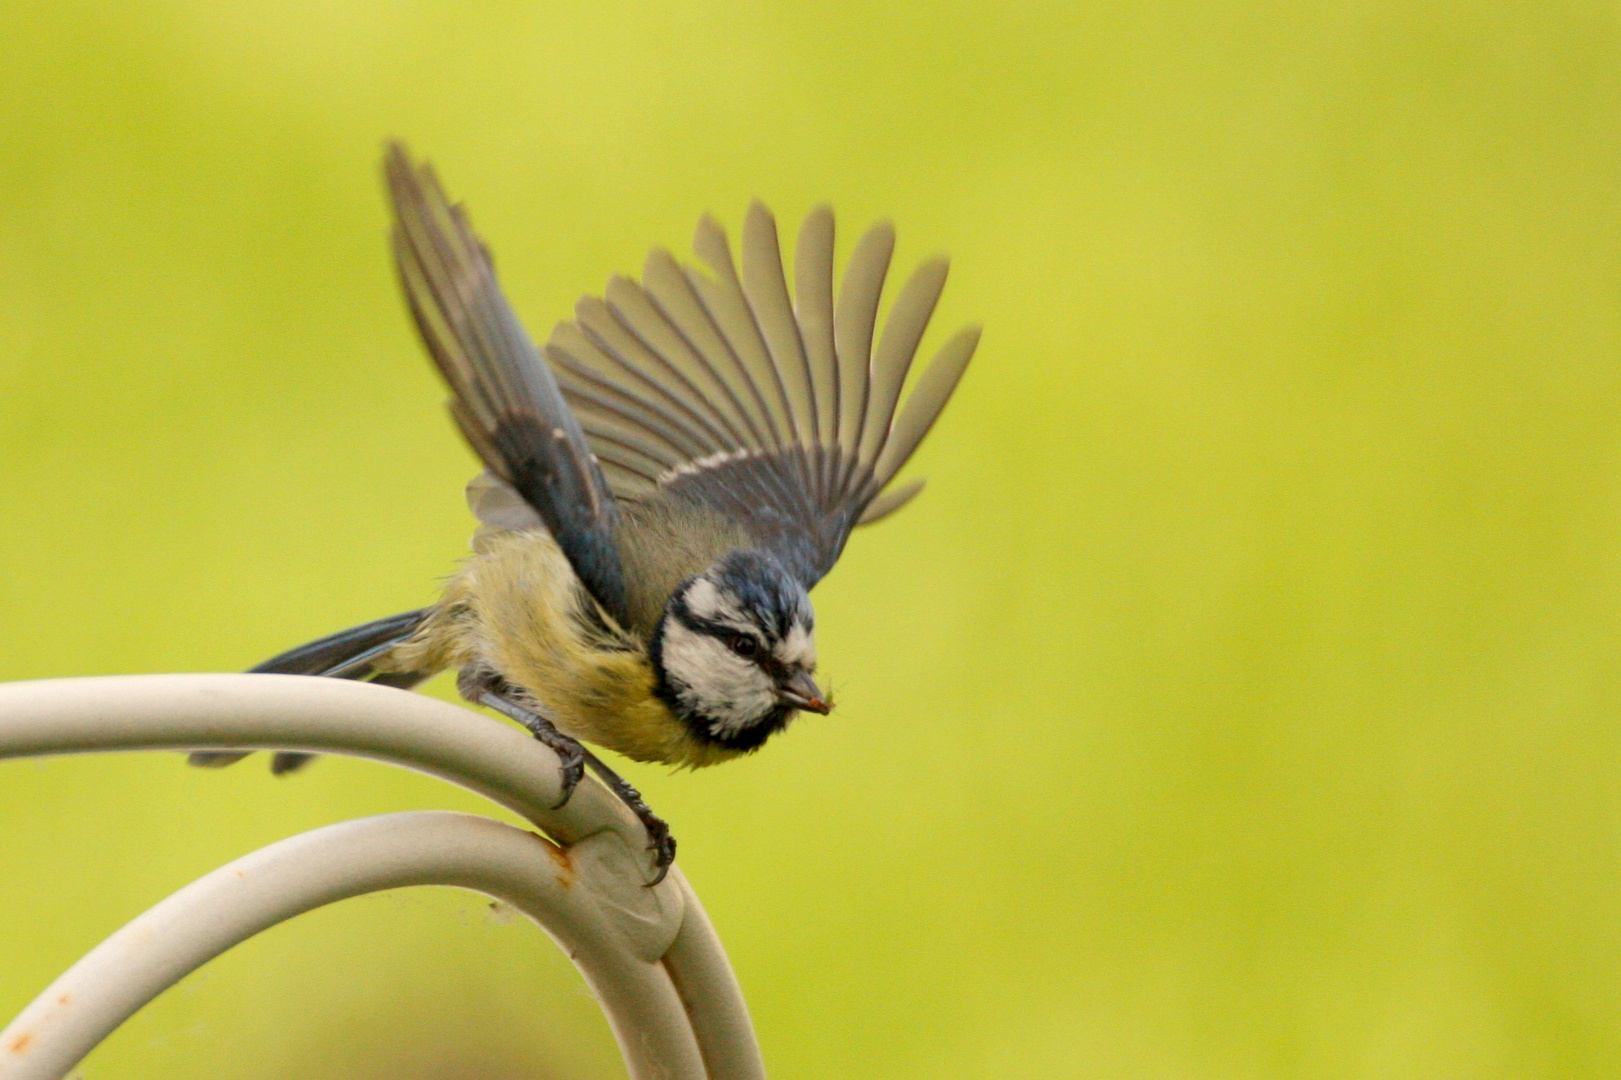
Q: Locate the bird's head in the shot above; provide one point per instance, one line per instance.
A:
(735, 651)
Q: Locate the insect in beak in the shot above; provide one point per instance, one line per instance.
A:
(801, 691)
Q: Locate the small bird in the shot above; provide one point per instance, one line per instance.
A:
(662, 486)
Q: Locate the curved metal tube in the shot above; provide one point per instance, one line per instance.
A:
(650, 954)
(297, 712)
(562, 893)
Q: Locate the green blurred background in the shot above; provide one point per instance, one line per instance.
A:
(1241, 698)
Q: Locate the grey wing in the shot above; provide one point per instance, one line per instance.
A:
(506, 402)
(722, 391)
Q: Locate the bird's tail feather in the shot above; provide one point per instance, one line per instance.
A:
(348, 654)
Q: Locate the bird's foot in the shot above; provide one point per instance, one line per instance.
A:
(660, 842)
(486, 688)
(482, 688)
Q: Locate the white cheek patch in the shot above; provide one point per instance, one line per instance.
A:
(710, 679)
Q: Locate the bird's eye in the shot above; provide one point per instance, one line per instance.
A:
(742, 645)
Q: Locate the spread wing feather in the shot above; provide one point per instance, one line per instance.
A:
(506, 400)
(766, 290)
(903, 330)
(663, 345)
(813, 309)
(780, 412)
(854, 320)
(929, 395)
(729, 311)
(671, 292)
(890, 500)
(716, 389)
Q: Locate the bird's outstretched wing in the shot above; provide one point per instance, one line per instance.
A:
(719, 390)
(506, 401)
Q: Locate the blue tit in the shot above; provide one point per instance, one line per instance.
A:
(664, 483)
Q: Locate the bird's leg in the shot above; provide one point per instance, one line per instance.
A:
(662, 844)
(487, 688)
(483, 687)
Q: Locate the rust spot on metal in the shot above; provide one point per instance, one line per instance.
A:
(560, 858)
(21, 1042)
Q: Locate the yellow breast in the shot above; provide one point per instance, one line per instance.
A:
(517, 608)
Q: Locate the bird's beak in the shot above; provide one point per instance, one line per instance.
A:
(801, 692)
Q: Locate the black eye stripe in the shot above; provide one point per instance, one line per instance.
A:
(763, 656)
(760, 603)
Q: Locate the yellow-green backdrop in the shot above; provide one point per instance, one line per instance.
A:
(1241, 698)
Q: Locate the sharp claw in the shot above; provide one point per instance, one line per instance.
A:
(477, 686)
(661, 843)
(572, 768)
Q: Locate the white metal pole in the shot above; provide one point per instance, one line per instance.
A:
(305, 872)
(649, 949)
